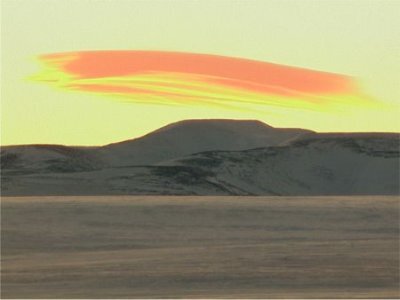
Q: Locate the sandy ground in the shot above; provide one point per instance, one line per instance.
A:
(200, 247)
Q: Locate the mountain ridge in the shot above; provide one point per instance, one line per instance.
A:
(210, 157)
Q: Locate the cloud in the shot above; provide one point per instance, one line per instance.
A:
(172, 78)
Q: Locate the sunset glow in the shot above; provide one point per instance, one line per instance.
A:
(97, 72)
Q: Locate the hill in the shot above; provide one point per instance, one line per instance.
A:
(211, 157)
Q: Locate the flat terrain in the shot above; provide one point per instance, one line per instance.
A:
(200, 247)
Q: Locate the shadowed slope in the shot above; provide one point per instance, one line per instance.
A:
(310, 164)
(169, 142)
(191, 136)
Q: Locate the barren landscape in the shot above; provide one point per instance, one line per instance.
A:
(200, 149)
(209, 158)
(200, 247)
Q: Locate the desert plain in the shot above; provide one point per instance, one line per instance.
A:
(200, 247)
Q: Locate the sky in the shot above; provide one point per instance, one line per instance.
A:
(80, 72)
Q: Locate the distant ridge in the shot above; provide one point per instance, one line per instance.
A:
(210, 157)
(191, 136)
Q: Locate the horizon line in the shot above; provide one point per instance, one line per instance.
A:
(185, 120)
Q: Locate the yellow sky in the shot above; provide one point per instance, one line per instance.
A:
(356, 38)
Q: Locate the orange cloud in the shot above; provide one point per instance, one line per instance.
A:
(187, 78)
